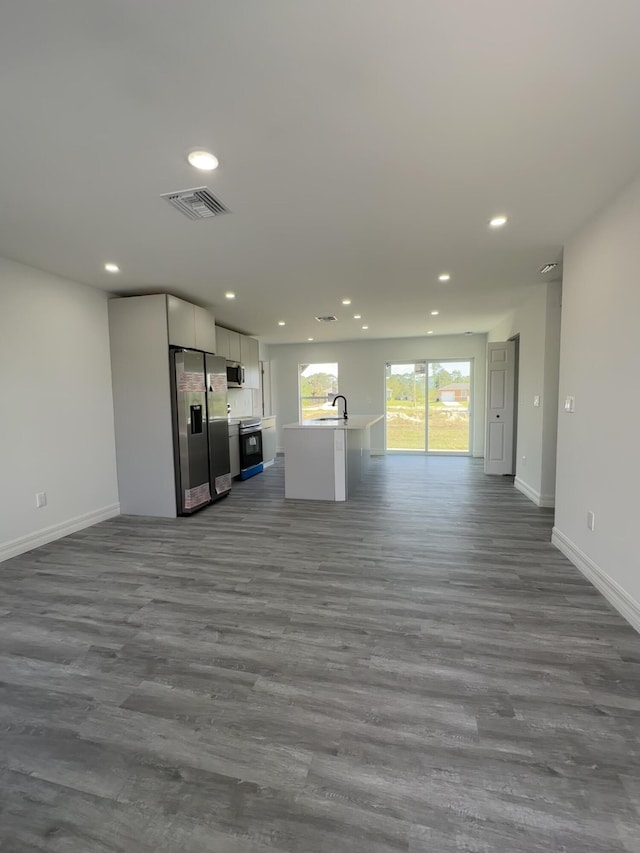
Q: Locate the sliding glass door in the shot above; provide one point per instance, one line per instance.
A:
(428, 405)
(448, 407)
(405, 414)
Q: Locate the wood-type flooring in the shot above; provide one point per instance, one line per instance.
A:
(417, 670)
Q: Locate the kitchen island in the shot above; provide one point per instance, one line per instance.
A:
(325, 459)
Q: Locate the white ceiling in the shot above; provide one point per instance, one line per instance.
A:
(364, 144)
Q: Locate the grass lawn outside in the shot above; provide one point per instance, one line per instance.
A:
(318, 408)
(448, 427)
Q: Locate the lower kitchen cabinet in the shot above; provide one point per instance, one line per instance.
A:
(269, 442)
(234, 450)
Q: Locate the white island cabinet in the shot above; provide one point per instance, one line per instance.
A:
(325, 461)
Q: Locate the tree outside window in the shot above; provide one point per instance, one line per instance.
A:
(317, 388)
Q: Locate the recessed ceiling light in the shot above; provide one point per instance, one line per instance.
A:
(230, 295)
(365, 327)
(203, 160)
(430, 332)
(357, 316)
(434, 313)
(498, 221)
(309, 339)
(444, 277)
(346, 302)
(281, 323)
(112, 267)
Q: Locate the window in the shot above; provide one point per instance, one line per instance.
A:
(317, 386)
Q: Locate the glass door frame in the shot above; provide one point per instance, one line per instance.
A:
(427, 362)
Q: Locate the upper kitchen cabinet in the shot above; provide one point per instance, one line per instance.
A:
(222, 342)
(205, 330)
(250, 361)
(190, 326)
(228, 344)
(182, 324)
(235, 352)
(240, 348)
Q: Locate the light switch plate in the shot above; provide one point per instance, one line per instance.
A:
(570, 404)
(536, 401)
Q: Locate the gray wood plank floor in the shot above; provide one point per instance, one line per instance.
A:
(418, 670)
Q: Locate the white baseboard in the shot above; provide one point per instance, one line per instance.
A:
(533, 495)
(57, 531)
(626, 606)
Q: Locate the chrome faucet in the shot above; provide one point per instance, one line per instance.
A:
(335, 403)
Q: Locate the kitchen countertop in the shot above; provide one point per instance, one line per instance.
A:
(353, 422)
(236, 421)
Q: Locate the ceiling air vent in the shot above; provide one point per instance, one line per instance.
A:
(328, 319)
(547, 268)
(196, 204)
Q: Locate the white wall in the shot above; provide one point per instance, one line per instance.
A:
(537, 322)
(598, 462)
(56, 421)
(361, 367)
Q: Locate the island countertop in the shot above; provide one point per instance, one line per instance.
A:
(352, 422)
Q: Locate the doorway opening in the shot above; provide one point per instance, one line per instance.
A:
(429, 406)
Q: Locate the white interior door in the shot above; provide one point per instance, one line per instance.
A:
(498, 456)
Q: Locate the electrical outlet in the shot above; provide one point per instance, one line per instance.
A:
(591, 520)
(41, 499)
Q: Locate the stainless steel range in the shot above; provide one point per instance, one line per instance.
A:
(250, 433)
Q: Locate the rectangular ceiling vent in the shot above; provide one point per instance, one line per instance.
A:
(199, 203)
(328, 319)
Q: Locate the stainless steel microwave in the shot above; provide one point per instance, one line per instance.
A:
(235, 375)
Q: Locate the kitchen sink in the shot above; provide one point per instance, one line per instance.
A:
(318, 420)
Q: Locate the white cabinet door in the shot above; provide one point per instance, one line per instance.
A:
(181, 319)
(205, 330)
(250, 362)
(222, 342)
(234, 454)
(234, 346)
(268, 443)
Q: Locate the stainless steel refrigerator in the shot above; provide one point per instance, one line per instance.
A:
(200, 428)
